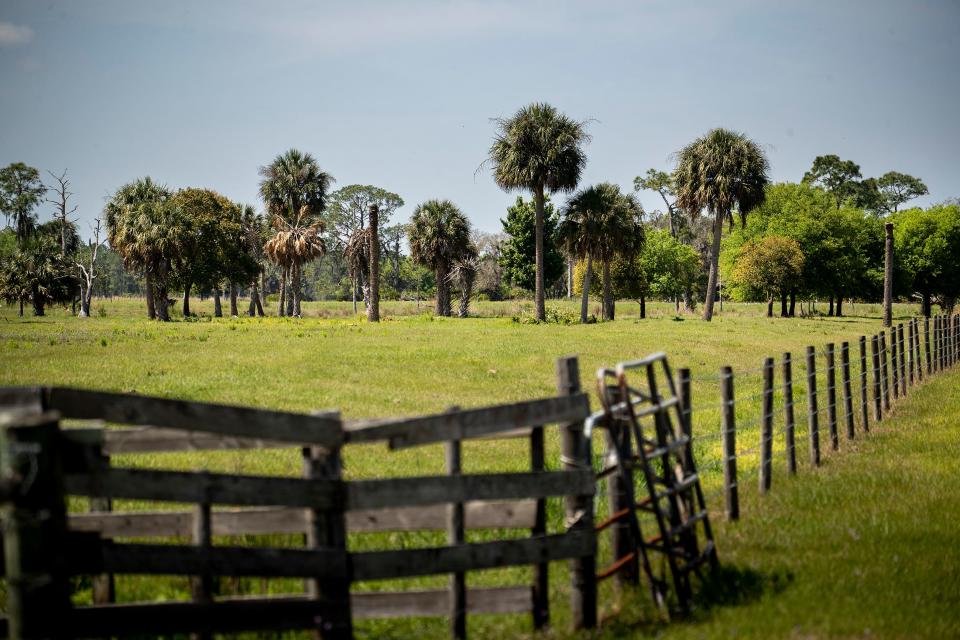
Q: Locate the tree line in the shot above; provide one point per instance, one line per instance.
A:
(722, 222)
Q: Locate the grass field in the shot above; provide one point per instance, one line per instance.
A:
(413, 363)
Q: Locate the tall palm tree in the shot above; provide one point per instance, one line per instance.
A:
(463, 275)
(601, 223)
(146, 231)
(718, 172)
(294, 190)
(294, 242)
(538, 150)
(439, 235)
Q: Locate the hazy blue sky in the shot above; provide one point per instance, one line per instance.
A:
(400, 94)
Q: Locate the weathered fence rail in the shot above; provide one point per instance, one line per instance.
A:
(321, 505)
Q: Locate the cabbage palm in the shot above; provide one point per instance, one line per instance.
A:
(463, 275)
(439, 235)
(601, 223)
(146, 230)
(294, 190)
(538, 150)
(718, 172)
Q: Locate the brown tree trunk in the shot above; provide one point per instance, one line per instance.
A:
(714, 267)
(233, 300)
(585, 294)
(21, 307)
(607, 292)
(217, 307)
(373, 309)
(252, 308)
(839, 310)
(830, 309)
(793, 302)
(539, 292)
(281, 307)
(292, 282)
(161, 301)
(770, 305)
(888, 275)
(925, 304)
(441, 277)
(297, 290)
(186, 300)
(37, 301)
(151, 302)
(643, 306)
(783, 305)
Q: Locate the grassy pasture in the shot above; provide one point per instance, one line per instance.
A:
(412, 363)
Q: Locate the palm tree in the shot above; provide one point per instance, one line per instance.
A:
(146, 231)
(294, 242)
(718, 172)
(601, 223)
(539, 150)
(252, 240)
(439, 235)
(294, 190)
(463, 274)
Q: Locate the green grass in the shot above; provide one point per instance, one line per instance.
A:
(412, 363)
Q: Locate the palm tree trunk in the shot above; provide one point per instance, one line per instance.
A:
(714, 267)
(37, 302)
(585, 294)
(281, 308)
(233, 300)
(353, 292)
(21, 307)
(373, 310)
(770, 305)
(217, 307)
(607, 292)
(569, 277)
(291, 288)
(151, 308)
(161, 301)
(297, 291)
(252, 308)
(539, 293)
(186, 300)
(441, 276)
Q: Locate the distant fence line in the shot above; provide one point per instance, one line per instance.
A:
(43, 463)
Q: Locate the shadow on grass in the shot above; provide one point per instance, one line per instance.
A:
(727, 586)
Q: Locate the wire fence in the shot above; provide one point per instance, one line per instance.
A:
(813, 401)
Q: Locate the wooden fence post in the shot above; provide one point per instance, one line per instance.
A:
(103, 585)
(926, 340)
(813, 417)
(936, 344)
(328, 529)
(576, 453)
(903, 361)
(729, 425)
(884, 371)
(789, 424)
(766, 432)
(456, 535)
(917, 351)
(877, 392)
(864, 403)
(832, 396)
(35, 527)
(912, 350)
(201, 586)
(541, 598)
(894, 365)
(847, 391)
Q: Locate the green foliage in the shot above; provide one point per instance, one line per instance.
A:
(518, 251)
(842, 248)
(840, 178)
(538, 148)
(38, 272)
(292, 181)
(671, 268)
(20, 192)
(771, 264)
(897, 188)
(927, 251)
(602, 222)
(347, 209)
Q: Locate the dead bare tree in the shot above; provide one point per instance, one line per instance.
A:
(61, 202)
(89, 272)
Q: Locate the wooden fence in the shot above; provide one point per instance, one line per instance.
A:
(844, 387)
(46, 464)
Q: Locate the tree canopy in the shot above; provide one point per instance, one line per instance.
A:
(517, 253)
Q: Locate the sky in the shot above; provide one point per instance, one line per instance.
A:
(402, 95)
